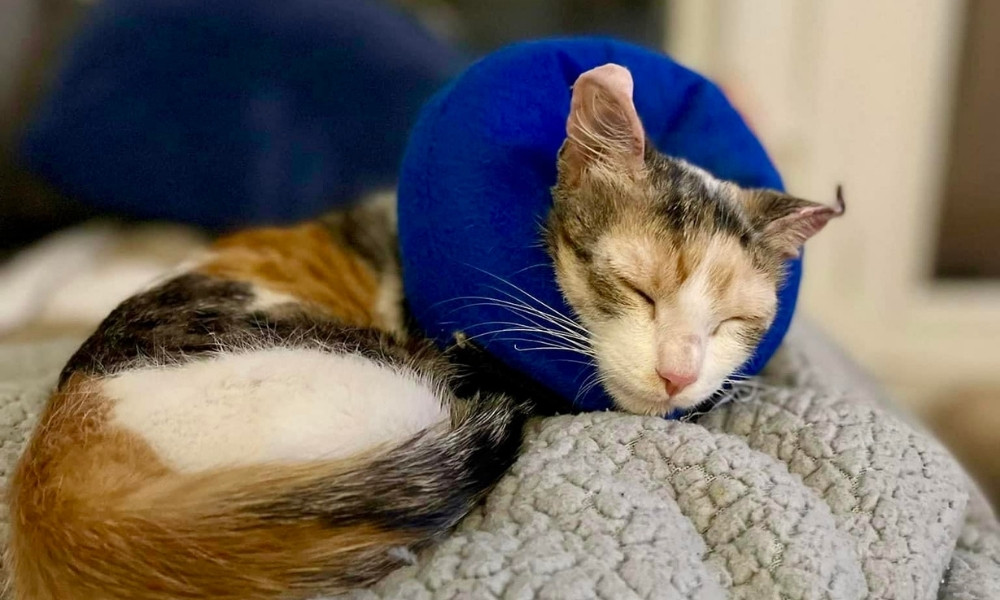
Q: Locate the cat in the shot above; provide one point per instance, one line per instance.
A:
(673, 272)
(265, 424)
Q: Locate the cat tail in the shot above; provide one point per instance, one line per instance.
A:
(247, 533)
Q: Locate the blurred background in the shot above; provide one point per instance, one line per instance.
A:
(895, 99)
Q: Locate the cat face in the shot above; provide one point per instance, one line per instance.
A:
(673, 273)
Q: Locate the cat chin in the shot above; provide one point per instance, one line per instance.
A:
(635, 400)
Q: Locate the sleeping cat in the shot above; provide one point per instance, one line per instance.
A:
(672, 272)
(264, 425)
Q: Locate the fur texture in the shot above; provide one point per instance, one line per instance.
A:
(258, 427)
(673, 273)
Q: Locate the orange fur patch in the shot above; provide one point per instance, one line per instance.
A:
(96, 515)
(71, 459)
(303, 262)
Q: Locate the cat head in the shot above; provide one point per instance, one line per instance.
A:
(673, 272)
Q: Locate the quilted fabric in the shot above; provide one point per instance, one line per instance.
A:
(809, 485)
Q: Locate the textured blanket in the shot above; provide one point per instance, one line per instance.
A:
(806, 485)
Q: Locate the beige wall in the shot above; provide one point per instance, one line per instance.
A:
(861, 92)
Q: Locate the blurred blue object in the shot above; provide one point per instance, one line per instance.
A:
(474, 191)
(234, 112)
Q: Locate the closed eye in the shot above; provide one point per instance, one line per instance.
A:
(638, 292)
(730, 321)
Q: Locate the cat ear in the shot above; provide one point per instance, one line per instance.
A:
(603, 126)
(786, 222)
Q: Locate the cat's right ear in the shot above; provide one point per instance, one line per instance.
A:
(786, 222)
(603, 129)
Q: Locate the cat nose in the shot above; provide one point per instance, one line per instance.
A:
(679, 362)
(676, 381)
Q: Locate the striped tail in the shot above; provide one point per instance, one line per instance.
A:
(91, 519)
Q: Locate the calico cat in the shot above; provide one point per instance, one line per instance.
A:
(673, 273)
(265, 425)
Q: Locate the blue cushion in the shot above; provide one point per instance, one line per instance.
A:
(474, 190)
(235, 112)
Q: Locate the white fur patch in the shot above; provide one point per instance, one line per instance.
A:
(264, 298)
(274, 405)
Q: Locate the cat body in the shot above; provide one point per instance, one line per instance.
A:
(263, 425)
(260, 425)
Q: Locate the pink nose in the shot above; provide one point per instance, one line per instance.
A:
(676, 381)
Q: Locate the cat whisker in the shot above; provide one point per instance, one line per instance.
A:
(540, 327)
(550, 344)
(734, 389)
(585, 363)
(544, 335)
(527, 312)
(536, 265)
(748, 384)
(520, 307)
(532, 323)
(547, 347)
(592, 381)
(550, 310)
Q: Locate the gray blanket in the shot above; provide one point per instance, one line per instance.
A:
(806, 485)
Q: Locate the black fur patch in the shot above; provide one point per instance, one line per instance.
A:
(479, 372)
(685, 204)
(607, 293)
(186, 316)
(193, 315)
(368, 229)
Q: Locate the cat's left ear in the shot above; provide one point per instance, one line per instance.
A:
(603, 128)
(786, 222)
